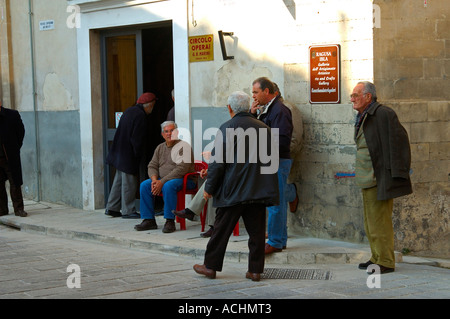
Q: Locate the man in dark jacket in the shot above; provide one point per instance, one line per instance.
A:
(125, 154)
(242, 185)
(12, 133)
(383, 160)
(275, 114)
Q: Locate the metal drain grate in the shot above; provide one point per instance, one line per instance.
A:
(311, 274)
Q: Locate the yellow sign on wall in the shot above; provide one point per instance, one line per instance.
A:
(201, 48)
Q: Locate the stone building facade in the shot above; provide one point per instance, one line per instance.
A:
(54, 70)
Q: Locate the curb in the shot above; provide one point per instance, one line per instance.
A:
(289, 257)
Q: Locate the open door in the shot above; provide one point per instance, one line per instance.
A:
(136, 61)
(122, 84)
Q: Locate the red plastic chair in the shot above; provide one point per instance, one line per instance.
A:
(181, 198)
(181, 195)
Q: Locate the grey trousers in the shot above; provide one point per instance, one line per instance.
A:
(123, 193)
(197, 204)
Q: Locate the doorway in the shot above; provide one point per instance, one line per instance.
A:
(134, 61)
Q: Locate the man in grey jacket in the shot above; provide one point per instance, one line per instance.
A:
(237, 170)
(383, 160)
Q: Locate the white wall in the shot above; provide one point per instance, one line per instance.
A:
(108, 14)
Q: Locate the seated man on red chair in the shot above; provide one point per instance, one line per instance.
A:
(196, 207)
(171, 161)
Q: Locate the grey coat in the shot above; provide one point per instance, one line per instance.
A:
(234, 181)
(389, 150)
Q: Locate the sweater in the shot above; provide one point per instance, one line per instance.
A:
(171, 162)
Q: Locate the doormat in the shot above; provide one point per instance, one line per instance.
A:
(308, 274)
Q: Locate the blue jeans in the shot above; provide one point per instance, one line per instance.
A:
(277, 222)
(169, 191)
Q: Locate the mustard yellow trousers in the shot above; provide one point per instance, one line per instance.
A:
(379, 228)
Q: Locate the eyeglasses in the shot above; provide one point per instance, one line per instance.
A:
(355, 95)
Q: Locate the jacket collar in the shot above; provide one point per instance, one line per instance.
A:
(268, 105)
(373, 107)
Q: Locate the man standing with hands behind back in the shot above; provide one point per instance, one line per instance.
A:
(275, 114)
(12, 133)
(125, 154)
(383, 160)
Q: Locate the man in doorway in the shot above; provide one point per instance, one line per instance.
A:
(12, 133)
(125, 154)
(171, 161)
(275, 114)
(171, 114)
(383, 160)
(239, 187)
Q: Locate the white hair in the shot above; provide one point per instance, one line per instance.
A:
(239, 102)
(164, 124)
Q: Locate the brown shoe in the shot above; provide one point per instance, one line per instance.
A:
(21, 213)
(185, 213)
(269, 249)
(146, 224)
(253, 276)
(169, 226)
(208, 233)
(202, 270)
(294, 204)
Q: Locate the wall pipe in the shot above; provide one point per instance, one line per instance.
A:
(36, 118)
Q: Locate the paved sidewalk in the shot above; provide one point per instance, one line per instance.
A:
(35, 266)
(94, 226)
(119, 262)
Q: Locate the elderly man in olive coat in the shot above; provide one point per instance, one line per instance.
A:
(383, 162)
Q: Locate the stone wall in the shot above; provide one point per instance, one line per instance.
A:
(412, 68)
(329, 207)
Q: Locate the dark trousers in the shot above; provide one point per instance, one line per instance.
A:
(254, 217)
(14, 191)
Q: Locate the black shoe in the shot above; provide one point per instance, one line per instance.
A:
(208, 233)
(147, 224)
(365, 265)
(112, 213)
(132, 216)
(21, 213)
(383, 270)
(169, 226)
(185, 213)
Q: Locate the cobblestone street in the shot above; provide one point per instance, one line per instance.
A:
(36, 266)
